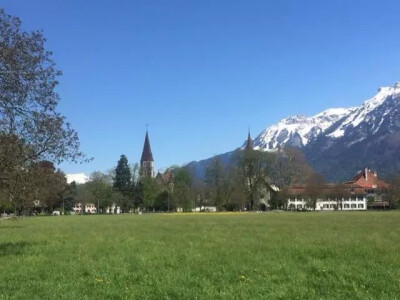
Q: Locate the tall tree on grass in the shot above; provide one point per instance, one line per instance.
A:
(392, 194)
(254, 168)
(101, 189)
(182, 193)
(29, 121)
(70, 196)
(289, 166)
(84, 195)
(16, 173)
(122, 179)
(150, 190)
(219, 182)
(340, 192)
(50, 185)
(28, 100)
(314, 189)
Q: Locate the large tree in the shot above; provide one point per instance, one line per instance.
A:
(392, 193)
(100, 185)
(50, 185)
(254, 168)
(314, 189)
(340, 193)
(31, 129)
(122, 179)
(28, 100)
(149, 190)
(289, 166)
(182, 193)
(219, 182)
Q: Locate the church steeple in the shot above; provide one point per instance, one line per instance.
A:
(147, 161)
(249, 143)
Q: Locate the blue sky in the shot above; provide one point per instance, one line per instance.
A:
(200, 72)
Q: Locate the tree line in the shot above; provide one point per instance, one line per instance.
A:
(238, 185)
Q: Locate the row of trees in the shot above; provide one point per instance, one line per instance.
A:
(123, 187)
(251, 176)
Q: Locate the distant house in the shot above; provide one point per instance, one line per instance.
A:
(354, 193)
(204, 209)
(90, 208)
(373, 187)
(113, 209)
(266, 192)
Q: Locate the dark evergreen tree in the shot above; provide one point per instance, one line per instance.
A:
(71, 196)
(122, 179)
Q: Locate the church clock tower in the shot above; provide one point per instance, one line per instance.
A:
(147, 161)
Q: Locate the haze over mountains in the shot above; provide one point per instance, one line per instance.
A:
(339, 141)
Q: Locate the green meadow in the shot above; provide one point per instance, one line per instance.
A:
(283, 255)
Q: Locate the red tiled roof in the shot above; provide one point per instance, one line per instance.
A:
(369, 180)
(365, 180)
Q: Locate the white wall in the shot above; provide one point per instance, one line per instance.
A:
(353, 203)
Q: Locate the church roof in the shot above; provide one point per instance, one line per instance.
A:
(249, 143)
(146, 154)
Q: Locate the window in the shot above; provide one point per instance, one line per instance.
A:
(346, 206)
(332, 206)
(354, 206)
(360, 205)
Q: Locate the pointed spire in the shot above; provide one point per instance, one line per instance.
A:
(249, 143)
(146, 154)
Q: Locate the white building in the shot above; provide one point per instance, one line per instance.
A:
(350, 203)
(90, 208)
(113, 209)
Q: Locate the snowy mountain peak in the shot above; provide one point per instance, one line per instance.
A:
(382, 93)
(361, 113)
(299, 130)
(79, 178)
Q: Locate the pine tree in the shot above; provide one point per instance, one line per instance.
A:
(122, 180)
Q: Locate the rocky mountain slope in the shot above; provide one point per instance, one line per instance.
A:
(369, 136)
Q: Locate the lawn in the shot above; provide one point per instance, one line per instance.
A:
(202, 256)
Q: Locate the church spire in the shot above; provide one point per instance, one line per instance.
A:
(147, 161)
(146, 154)
(249, 143)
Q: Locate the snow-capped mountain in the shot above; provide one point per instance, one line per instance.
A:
(79, 178)
(297, 131)
(368, 136)
(367, 112)
(338, 142)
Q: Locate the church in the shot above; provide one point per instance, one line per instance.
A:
(147, 161)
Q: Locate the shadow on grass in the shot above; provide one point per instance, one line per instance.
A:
(12, 248)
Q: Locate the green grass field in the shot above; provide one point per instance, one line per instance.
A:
(202, 256)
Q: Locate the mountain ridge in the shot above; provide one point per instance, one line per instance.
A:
(339, 141)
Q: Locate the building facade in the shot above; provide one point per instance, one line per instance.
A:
(90, 208)
(350, 195)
